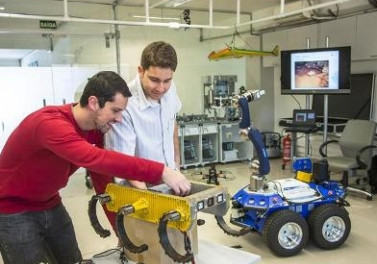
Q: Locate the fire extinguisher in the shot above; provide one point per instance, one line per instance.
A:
(287, 141)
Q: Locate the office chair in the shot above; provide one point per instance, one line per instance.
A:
(356, 144)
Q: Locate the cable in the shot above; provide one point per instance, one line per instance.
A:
(310, 147)
(299, 105)
(238, 35)
(110, 252)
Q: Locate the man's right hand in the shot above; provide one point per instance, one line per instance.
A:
(177, 181)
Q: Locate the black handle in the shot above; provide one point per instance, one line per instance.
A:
(92, 211)
(164, 240)
(127, 243)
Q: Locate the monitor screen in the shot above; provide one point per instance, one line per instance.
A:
(316, 71)
(304, 117)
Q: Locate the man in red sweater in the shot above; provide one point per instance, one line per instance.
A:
(43, 151)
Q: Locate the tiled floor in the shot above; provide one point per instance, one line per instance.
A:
(360, 247)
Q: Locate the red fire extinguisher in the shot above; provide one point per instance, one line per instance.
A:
(287, 141)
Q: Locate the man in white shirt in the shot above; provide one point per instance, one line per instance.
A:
(148, 128)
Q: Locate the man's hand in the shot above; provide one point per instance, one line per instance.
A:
(177, 181)
(138, 184)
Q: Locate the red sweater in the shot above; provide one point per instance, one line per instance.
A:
(46, 148)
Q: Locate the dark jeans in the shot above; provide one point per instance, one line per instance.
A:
(38, 237)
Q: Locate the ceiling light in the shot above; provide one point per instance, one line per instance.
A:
(2, 8)
(170, 3)
(180, 2)
(174, 25)
(156, 17)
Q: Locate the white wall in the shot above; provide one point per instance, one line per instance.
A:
(355, 31)
(34, 87)
(192, 59)
(84, 44)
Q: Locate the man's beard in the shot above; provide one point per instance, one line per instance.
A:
(103, 128)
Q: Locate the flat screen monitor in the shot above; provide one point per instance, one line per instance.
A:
(316, 71)
(304, 117)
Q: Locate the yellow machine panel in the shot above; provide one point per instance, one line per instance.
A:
(152, 205)
(149, 206)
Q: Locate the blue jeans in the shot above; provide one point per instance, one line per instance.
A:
(38, 237)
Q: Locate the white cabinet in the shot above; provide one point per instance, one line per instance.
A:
(198, 144)
(209, 143)
(190, 145)
(62, 83)
(231, 146)
(69, 82)
(270, 40)
(22, 91)
(80, 76)
(366, 37)
(2, 127)
(300, 37)
(341, 32)
(295, 38)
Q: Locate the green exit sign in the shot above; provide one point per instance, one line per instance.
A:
(50, 24)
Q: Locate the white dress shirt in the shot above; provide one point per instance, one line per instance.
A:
(147, 126)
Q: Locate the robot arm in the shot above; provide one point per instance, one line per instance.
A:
(254, 135)
(243, 102)
(256, 138)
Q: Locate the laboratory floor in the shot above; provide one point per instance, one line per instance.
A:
(360, 247)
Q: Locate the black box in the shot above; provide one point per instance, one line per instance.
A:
(321, 171)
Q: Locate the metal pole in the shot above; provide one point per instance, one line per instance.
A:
(210, 13)
(282, 3)
(325, 106)
(65, 9)
(238, 11)
(117, 36)
(308, 106)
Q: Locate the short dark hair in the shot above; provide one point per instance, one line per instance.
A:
(104, 85)
(159, 54)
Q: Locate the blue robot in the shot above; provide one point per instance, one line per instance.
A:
(285, 212)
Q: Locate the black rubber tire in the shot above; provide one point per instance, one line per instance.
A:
(329, 226)
(282, 222)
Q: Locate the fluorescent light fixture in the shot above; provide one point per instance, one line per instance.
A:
(180, 2)
(170, 3)
(157, 17)
(174, 25)
(2, 8)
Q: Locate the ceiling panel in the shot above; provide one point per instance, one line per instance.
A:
(100, 10)
(247, 6)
